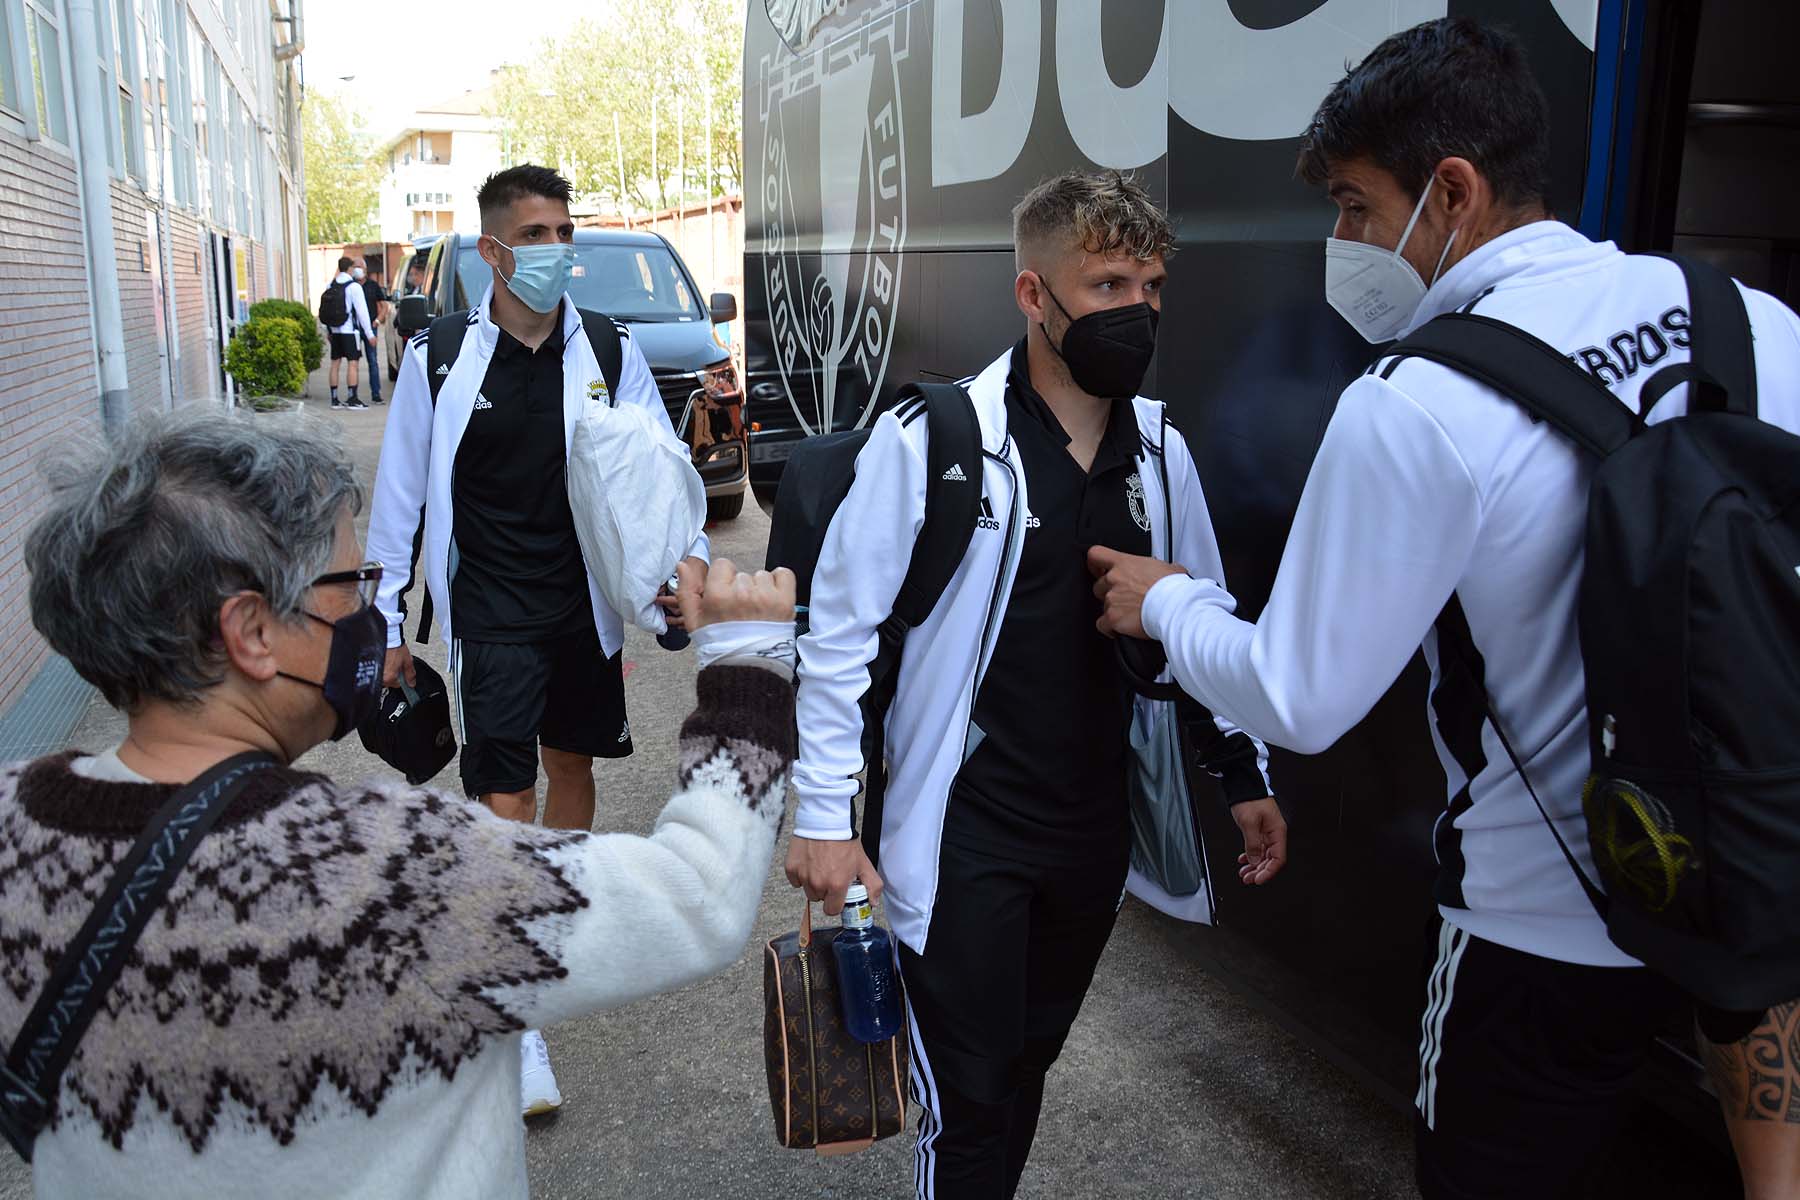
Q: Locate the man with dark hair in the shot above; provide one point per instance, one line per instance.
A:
(474, 478)
(375, 298)
(1439, 513)
(346, 343)
(1005, 862)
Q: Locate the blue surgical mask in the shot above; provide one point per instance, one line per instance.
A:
(541, 274)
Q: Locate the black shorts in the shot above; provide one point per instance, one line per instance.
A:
(562, 693)
(346, 345)
(1527, 1067)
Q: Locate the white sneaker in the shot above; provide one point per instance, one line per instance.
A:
(537, 1083)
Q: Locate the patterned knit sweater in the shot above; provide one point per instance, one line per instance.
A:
(329, 1002)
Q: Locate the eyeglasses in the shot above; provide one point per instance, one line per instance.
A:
(367, 579)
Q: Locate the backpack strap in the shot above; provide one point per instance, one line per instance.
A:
(608, 346)
(1538, 378)
(92, 961)
(1531, 372)
(1455, 652)
(443, 343)
(952, 501)
(953, 459)
(1721, 367)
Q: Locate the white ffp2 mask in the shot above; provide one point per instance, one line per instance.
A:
(1377, 290)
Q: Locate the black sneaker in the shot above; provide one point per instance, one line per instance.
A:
(336, 403)
(353, 402)
(376, 400)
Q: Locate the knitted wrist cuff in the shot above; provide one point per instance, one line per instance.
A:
(751, 703)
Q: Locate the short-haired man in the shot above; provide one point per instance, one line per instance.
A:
(476, 480)
(346, 343)
(1004, 836)
(375, 298)
(1439, 513)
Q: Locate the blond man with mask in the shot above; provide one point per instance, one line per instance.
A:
(1004, 835)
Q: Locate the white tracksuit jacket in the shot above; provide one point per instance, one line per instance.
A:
(861, 566)
(418, 456)
(1428, 483)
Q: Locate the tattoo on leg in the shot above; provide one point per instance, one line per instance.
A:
(1758, 1077)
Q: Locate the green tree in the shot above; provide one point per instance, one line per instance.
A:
(342, 177)
(619, 102)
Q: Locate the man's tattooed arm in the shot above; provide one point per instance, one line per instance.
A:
(1758, 1077)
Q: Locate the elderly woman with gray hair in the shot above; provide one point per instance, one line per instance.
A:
(328, 1001)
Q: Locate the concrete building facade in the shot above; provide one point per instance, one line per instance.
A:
(151, 190)
(435, 166)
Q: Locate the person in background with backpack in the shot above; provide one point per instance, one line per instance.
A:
(344, 312)
(1003, 837)
(1438, 512)
(472, 473)
(375, 298)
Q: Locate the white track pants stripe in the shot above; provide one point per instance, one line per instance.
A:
(931, 1118)
(1452, 942)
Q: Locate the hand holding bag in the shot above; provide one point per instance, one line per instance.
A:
(829, 1092)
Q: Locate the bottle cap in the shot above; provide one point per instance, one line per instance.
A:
(857, 894)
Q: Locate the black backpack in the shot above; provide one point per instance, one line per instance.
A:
(1689, 621)
(334, 307)
(815, 482)
(443, 343)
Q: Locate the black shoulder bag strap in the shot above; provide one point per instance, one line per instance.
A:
(90, 963)
(953, 458)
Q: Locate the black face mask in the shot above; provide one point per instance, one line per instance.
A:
(1107, 351)
(352, 683)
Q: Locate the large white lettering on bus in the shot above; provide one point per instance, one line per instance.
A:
(1216, 73)
(982, 145)
(1260, 84)
(1123, 127)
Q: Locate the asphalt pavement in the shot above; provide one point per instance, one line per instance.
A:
(1171, 1085)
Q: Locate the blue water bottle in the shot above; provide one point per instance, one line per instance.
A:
(865, 968)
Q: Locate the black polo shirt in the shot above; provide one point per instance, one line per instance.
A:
(373, 295)
(1047, 781)
(517, 569)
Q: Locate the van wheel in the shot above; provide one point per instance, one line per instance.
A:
(393, 373)
(724, 508)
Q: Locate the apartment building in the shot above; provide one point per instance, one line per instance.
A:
(150, 192)
(436, 164)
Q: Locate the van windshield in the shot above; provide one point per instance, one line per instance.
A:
(632, 283)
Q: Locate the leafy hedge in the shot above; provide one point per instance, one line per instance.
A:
(312, 342)
(267, 357)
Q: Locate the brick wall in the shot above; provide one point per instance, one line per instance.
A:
(49, 391)
(137, 298)
(197, 377)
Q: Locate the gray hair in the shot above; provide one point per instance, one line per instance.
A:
(145, 537)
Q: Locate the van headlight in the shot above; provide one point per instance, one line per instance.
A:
(720, 381)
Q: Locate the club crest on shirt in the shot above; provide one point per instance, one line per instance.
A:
(1134, 499)
(597, 389)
